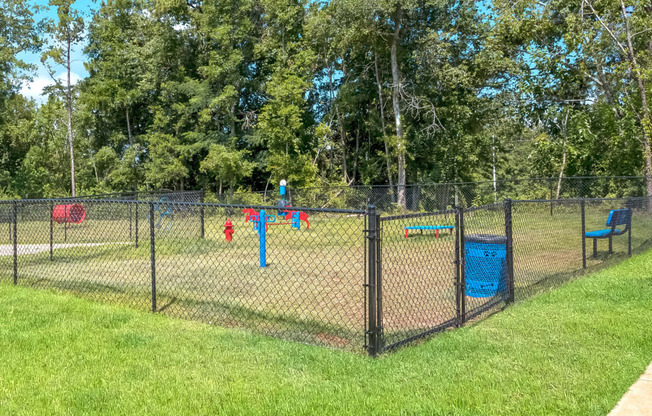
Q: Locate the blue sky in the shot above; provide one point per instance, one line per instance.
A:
(41, 78)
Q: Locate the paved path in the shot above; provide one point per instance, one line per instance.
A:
(8, 249)
(638, 400)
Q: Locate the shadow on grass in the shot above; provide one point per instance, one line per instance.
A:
(290, 326)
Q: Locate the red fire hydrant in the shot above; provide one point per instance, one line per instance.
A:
(228, 229)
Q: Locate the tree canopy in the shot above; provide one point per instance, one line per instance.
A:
(230, 95)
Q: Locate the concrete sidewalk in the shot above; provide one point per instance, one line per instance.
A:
(8, 250)
(638, 400)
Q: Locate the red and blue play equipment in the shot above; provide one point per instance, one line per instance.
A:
(292, 218)
(69, 214)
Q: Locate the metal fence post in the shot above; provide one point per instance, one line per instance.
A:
(629, 238)
(130, 219)
(136, 221)
(550, 186)
(372, 313)
(458, 284)
(152, 250)
(510, 250)
(379, 287)
(15, 243)
(201, 212)
(462, 269)
(583, 233)
(66, 210)
(51, 231)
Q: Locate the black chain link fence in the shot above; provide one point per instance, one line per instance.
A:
(175, 258)
(347, 279)
(442, 196)
(430, 280)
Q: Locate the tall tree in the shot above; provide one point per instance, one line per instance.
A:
(65, 32)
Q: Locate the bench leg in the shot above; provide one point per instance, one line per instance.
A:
(611, 250)
(595, 247)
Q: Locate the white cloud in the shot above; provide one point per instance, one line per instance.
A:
(33, 89)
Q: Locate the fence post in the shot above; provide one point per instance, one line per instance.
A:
(201, 212)
(510, 250)
(550, 186)
(130, 219)
(458, 284)
(379, 287)
(136, 220)
(66, 210)
(51, 231)
(152, 252)
(15, 243)
(372, 313)
(462, 269)
(583, 234)
(629, 238)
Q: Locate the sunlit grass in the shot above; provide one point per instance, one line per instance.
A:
(572, 351)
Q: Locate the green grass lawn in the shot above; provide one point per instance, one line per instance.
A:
(574, 350)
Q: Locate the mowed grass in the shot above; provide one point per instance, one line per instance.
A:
(574, 350)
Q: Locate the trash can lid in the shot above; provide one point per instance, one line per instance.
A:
(486, 239)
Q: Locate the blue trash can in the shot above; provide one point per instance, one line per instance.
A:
(485, 268)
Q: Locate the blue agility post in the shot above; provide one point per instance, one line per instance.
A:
(261, 232)
(282, 188)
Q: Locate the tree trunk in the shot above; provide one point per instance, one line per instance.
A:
(131, 141)
(388, 161)
(563, 157)
(342, 132)
(396, 79)
(69, 108)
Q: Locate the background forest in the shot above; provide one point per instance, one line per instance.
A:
(230, 95)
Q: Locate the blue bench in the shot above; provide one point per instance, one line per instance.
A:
(616, 219)
(428, 227)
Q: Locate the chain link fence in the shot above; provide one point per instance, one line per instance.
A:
(348, 279)
(430, 279)
(175, 258)
(442, 196)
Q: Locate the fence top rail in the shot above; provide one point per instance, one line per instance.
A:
(571, 200)
(181, 203)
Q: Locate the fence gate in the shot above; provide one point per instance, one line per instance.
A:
(417, 276)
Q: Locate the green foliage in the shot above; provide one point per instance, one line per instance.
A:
(304, 91)
(226, 166)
